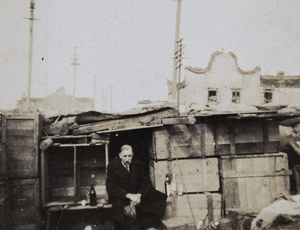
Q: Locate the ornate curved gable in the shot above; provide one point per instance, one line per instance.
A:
(213, 56)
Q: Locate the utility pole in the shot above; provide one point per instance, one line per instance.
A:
(111, 98)
(177, 32)
(95, 82)
(31, 19)
(103, 100)
(75, 63)
(178, 57)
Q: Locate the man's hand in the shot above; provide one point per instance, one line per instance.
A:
(135, 198)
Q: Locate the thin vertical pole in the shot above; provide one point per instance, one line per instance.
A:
(76, 177)
(179, 58)
(32, 4)
(74, 78)
(111, 98)
(95, 82)
(177, 32)
(103, 100)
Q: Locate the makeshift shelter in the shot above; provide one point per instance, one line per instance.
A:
(220, 162)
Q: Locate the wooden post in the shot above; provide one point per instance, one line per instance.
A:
(210, 207)
(76, 178)
(74, 79)
(32, 4)
(177, 32)
(265, 127)
(232, 137)
(106, 156)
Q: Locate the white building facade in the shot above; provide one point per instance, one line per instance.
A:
(221, 85)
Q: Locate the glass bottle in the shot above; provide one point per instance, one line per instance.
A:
(167, 185)
(93, 198)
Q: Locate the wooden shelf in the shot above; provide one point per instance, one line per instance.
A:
(85, 163)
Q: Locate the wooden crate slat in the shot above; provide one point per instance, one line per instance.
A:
(242, 187)
(158, 171)
(4, 214)
(160, 144)
(3, 162)
(251, 191)
(3, 129)
(263, 191)
(13, 125)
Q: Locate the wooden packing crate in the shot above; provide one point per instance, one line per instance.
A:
(182, 141)
(196, 175)
(3, 163)
(24, 199)
(247, 136)
(4, 214)
(23, 134)
(251, 182)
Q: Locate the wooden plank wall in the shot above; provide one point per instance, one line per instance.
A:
(25, 204)
(23, 135)
(3, 163)
(3, 124)
(252, 182)
(247, 137)
(197, 205)
(182, 141)
(196, 175)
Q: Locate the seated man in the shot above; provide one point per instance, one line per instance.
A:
(127, 183)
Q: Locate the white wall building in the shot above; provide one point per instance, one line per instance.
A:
(221, 85)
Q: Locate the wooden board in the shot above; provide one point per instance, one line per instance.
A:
(197, 205)
(3, 190)
(23, 134)
(4, 214)
(24, 198)
(296, 170)
(3, 124)
(3, 162)
(67, 173)
(252, 182)
(141, 120)
(182, 141)
(195, 175)
(247, 137)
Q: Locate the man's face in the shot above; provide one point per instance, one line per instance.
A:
(126, 157)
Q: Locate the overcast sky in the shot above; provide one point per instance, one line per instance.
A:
(129, 44)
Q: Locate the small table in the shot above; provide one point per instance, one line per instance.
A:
(73, 208)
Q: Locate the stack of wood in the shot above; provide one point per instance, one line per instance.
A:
(252, 170)
(186, 153)
(243, 154)
(126, 122)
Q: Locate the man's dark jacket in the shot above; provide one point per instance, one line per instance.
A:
(119, 182)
